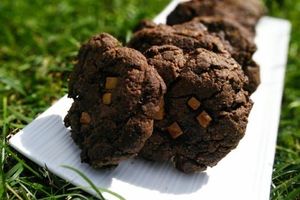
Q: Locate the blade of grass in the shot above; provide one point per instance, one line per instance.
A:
(14, 192)
(22, 162)
(290, 151)
(35, 186)
(29, 194)
(94, 187)
(102, 190)
(65, 195)
(112, 193)
(14, 172)
(12, 84)
(19, 115)
(2, 140)
(295, 194)
(288, 182)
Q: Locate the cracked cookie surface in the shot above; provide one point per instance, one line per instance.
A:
(222, 36)
(205, 110)
(237, 41)
(246, 13)
(116, 95)
(187, 38)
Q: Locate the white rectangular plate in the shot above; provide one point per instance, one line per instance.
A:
(244, 174)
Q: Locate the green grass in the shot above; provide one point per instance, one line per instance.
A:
(38, 41)
(286, 175)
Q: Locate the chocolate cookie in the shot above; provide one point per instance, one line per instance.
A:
(247, 13)
(205, 109)
(237, 41)
(116, 95)
(145, 23)
(168, 60)
(213, 35)
(187, 38)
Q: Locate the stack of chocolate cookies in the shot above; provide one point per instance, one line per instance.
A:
(177, 92)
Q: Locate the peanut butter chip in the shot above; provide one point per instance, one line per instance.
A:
(111, 83)
(194, 103)
(174, 130)
(85, 118)
(106, 98)
(160, 114)
(204, 119)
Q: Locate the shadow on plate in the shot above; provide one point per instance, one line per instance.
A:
(46, 141)
(162, 177)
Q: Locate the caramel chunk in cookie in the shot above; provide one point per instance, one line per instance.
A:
(204, 119)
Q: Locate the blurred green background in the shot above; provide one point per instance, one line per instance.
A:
(38, 42)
